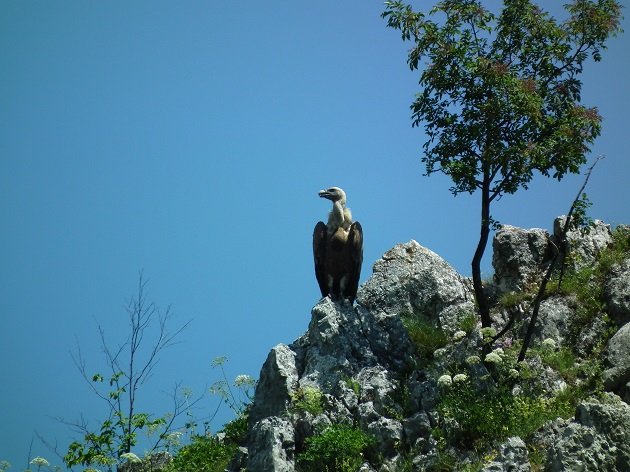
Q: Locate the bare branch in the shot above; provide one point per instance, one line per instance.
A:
(543, 285)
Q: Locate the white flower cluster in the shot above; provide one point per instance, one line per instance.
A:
(459, 335)
(130, 457)
(549, 343)
(495, 357)
(244, 381)
(473, 360)
(40, 462)
(445, 381)
(460, 378)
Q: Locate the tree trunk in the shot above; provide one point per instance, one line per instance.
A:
(480, 295)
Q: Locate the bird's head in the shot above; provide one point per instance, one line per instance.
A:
(335, 194)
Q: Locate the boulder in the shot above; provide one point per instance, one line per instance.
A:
(278, 378)
(411, 279)
(272, 446)
(597, 440)
(617, 292)
(519, 256)
(584, 246)
(512, 457)
(617, 376)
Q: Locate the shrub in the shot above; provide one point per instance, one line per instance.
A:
(339, 448)
(307, 399)
(236, 430)
(499, 414)
(204, 454)
(425, 335)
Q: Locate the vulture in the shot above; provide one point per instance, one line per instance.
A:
(338, 249)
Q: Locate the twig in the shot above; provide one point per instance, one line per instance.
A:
(543, 285)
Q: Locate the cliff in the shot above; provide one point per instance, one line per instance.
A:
(407, 380)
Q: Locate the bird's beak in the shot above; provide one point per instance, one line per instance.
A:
(324, 194)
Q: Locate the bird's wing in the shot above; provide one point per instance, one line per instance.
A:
(355, 247)
(319, 254)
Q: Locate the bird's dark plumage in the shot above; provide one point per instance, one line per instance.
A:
(338, 249)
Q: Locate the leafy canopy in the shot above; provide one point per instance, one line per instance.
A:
(500, 93)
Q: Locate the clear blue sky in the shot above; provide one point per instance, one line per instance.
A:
(190, 139)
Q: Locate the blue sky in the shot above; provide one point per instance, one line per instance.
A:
(189, 140)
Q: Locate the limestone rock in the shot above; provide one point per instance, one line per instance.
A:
(411, 279)
(617, 377)
(512, 457)
(272, 446)
(278, 378)
(584, 247)
(598, 439)
(519, 256)
(554, 317)
(617, 292)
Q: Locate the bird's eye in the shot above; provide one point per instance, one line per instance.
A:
(331, 190)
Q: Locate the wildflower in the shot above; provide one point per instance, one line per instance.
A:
(439, 352)
(459, 335)
(498, 351)
(493, 358)
(513, 374)
(460, 378)
(40, 462)
(473, 360)
(445, 381)
(244, 381)
(130, 457)
(549, 343)
(173, 438)
(488, 332)
(219, 361)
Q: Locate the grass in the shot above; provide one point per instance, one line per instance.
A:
(307, 399)
(338, 448)
(497, 415)
(426, 336)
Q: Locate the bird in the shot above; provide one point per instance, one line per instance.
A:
(338, 249)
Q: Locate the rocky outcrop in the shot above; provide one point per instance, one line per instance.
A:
(519, 256)
(411, 279)
(356, 365)
(617, 293)
(617, 376)
(583, 246)
(512, 457)
(597, 440)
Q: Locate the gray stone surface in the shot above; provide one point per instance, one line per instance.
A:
(617, 376)
(617, 292)
(272, 446)
(584, 247)
(278, 378)
(553, 319)
(598, 439)
(411, 279)
(512, 457)
(519, 256)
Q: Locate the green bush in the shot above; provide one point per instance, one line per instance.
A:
(339, 448)
(307, 399)
(498, 414)
(204, 454)
(426, 336)
(236, 430)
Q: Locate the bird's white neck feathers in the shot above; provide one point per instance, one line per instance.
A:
(339, 217)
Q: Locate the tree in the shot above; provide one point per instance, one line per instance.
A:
(501, 95)
(130, 365)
